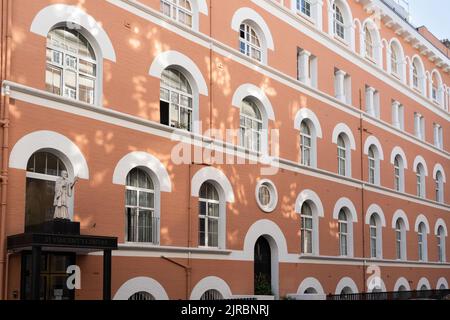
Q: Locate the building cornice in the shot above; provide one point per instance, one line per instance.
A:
(49, 100)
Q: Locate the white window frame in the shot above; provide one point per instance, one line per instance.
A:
(206, 218)
(372, 165)
(247, 134)
(247, 45)
(439, 187)
(176, 11)
(338, 23)
(307, 231)
(154, 216)
(306, 145)
(273, 194)
(375, 235)
(63, 68)
(420, 181)
(422, 242)
(304, 7)
(342, 156)
(441, 244)
(400, 239)
(344, 236)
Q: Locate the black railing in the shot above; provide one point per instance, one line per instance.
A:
(399, 295)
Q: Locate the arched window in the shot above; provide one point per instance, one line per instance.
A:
(209, 214)
(399, 174)
(43, 169)
(420, 180)
(395, 62)
(415, 77)
(375, 236)
(339, 26)
(175, 100)
(422, 242)
(344, 236)
(439, 187)
(142, 222)
(249, 42)
(211, 294)
(71, 65)
(342, 155)
(368, 44)
(400, 239)
(418, 75)
(141, 296)
(178, 10)
(307, 229)
(441, 244)
(305, 144)
(435, 88)
(372, 165)
(251, 125)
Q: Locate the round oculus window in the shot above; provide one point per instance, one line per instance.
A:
(266, 195)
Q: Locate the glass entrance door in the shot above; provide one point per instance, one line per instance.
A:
(53, 276)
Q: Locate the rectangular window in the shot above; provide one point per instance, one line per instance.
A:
(373, 242)
(53, 79)
(304, 6)
(397, 179)
(371, 170)
(398, 236)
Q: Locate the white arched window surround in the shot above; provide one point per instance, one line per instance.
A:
(150, 165)
(349, 29)
(226, 195)
(73, 17)
(419, 160)
(350, 144)
(436, 84)
(380, 224)
(417, 63)
(423, 282)
(403, 164)
(210, 283)
(352, 217)
(315, 203)
(259, 97)
(438, 168)
(348, 284)
(422, 219)
(197, 7)
(182, 63)
(402, 282)
(396, 46)
(312, 285)
(141, 284)
(400, 214)
(377, 48)
(254, 19)
(440, 223)
(313, 123)
(442, 283)
(373, 142)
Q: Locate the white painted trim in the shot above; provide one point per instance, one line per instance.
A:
(53, 15)
(376, 38)
(309, 195)
(440, 223)
(273, 195)
(381, 286)
(53, 102)
(343, 128)
(423, 281)
(399, 151)
(306, 113)
(244, 14)
(202, 6)
(146, 160)
(214, 175)
(345, 203)
(261, 228)
(210, 283)
(421, 218)
(179, 60)
(442, 281)
(420, 159)
(310, 282)
(139, 284)
(250, 90)
(439, 167)
(372, 140)
(346, 282)
(402, 282)
(374, 208)
(49, 140)
(400, 214)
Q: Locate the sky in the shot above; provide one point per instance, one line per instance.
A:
(434, 14)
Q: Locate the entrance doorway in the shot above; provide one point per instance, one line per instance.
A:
(262, 267)
(53, 276)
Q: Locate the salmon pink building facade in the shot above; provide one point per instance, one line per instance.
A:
(294, 148)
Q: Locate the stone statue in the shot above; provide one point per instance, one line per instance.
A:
(63, 191)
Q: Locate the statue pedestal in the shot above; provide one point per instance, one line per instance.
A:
(56, 226)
